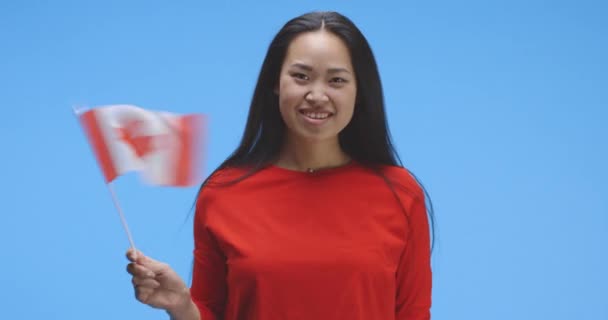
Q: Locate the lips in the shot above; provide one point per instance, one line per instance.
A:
(315, 116)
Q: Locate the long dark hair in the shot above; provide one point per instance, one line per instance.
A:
(366, 139)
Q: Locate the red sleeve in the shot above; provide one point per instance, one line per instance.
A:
(208, 289)
(414, 275)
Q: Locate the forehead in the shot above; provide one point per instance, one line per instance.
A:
(319, 48)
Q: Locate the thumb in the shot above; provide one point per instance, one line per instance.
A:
(133, 254)
(153, 265)
(163, 273)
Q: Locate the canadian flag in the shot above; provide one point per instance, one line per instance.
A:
(163, 146)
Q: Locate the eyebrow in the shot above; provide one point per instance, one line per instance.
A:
(309, 68)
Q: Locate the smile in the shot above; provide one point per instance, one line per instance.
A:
(316, 115)
(315, 118)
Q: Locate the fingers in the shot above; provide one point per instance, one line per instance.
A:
(138, 270)
(143, 293)
(141, 259)
(151, 278)
(133, 255)
(145, 283)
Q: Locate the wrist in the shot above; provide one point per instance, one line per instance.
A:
(184, 308)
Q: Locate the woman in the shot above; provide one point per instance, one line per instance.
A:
(311, 217)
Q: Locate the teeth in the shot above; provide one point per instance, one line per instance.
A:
(316, 115)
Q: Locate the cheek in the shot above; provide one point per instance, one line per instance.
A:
(346, 108)
(290, 95)
(286, 101)
(345, 101)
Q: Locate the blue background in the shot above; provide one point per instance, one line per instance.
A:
(500, 107)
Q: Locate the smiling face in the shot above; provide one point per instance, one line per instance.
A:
(317, 87)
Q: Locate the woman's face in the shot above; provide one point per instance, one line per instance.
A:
(317, 87)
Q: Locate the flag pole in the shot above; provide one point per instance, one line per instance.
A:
(123, 220)
(121, 214)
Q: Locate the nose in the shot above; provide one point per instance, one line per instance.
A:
(316, 95)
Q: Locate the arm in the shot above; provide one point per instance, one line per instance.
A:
(414, 275)
(208, 288)
(187, 312)
(159, 286)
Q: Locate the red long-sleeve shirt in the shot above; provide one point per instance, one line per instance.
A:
(333, 244)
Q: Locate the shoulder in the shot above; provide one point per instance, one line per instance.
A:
(404, 181)
(220, 182)
(229, 183)
(412, 197)
(226, 176)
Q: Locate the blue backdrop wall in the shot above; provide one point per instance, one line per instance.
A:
(500, 107)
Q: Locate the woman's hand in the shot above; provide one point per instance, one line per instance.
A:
(157, 285)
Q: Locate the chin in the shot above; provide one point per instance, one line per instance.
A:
(314, 137)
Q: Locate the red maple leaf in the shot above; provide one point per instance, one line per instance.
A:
(141, 144)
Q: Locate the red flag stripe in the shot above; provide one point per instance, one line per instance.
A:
(190, 129)
(98, 143)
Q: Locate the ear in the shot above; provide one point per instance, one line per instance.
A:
(276, 89)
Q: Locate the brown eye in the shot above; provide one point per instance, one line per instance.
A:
(299, 76)
(338, 80)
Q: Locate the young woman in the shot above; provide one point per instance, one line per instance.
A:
(312, 216)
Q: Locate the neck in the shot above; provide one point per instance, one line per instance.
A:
(311, 156)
